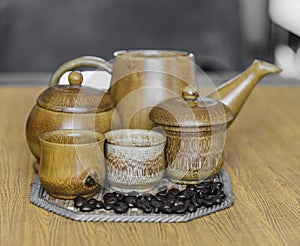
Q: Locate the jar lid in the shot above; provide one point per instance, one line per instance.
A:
(75, 98)
(190, 111)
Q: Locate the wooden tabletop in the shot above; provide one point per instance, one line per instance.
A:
(262, 157)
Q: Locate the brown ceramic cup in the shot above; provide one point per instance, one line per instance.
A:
(134, 159)
(72, 163)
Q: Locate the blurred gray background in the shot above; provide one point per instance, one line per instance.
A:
(40, 35)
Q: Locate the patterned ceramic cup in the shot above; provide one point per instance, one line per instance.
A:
(134, 159)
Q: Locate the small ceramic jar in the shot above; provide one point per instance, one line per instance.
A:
(134, 159)
(196, 129)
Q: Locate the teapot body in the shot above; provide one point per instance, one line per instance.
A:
(41, 120)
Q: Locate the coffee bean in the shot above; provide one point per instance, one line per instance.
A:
(132, 193)
(166, 209)
(109, 199)
(99, 205)
(173, 191)
(178, 203)
(147, 209)
(192, 208)
(180, 209)
(155, 203)
(219, 185)
(198, 202)
(217, 200)
(141, 202)
(160, 198)
(108, 196)
(191, 187)
(108, 206)
(208, 203)
(119, 196)
(130, 201)
(120, 207)
(209, 197)
(162, 193)
(186, 194)
(171, 198)
(221, 195)
(148, 197)
(79, 201)
(87, 207)
(92, 201)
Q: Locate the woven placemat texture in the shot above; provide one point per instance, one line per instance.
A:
(65, 208)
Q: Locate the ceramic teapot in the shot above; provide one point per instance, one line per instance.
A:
(69, 106)
(196, 127)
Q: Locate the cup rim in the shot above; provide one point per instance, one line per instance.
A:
(109, 136)
(99, 137)
(152, 53)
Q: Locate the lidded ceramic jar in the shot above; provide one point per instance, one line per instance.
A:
(196, 130)
(69, 107)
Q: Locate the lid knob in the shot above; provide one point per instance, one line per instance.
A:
(189, 94)
(75, 78)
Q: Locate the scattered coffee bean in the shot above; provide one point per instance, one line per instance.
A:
(166, 209)
(180, 209)
(147, 209)
(99, 205)
(120, 207)
(173, 191)
(109, 206)
(221, 195)
(207, 203)
(162, 193)
(178, 203)
(219, 185)
(192, 208)
(79, 201)
(109, 199)
(87, 208)
(132, 193)
(148, 197)
(92, 201)
(191, 187)
(130, 201)
(164, 201)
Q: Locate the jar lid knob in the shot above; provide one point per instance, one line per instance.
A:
(189, 94)
(75, 78)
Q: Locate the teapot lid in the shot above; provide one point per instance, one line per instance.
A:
(75, 98)
(190, 111)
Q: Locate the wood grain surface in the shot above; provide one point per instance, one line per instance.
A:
(262, 157)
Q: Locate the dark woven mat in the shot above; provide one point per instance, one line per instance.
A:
(65, 208)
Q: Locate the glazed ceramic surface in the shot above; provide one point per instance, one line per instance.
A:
(196, 132)
(68, 107)
(135, 159)
(143, 78)
(72, 163)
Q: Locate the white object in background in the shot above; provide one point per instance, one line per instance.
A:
(288, 60)
(286, 13)
(95, 79)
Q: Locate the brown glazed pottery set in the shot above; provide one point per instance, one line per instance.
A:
(151, 123)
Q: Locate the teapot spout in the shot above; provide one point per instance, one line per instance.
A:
(235, 92)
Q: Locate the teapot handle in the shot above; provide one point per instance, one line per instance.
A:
(83, 61)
